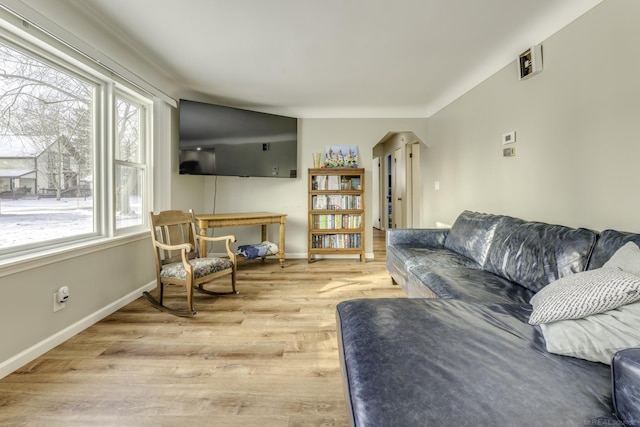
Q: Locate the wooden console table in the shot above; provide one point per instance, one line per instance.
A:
(206, 221)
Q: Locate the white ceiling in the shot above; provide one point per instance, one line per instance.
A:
(332, 58)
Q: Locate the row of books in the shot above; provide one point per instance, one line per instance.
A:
(334, 182)
(337, 221)
(336, 201)
(336, 241)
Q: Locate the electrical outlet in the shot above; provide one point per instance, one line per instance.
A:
(57, 305)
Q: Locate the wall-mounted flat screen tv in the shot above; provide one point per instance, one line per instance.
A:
(227, 141)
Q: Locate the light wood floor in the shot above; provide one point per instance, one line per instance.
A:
(265, 357)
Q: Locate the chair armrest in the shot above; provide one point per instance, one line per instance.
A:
(625, 378)
(230, 238)
(184, 249)
(183, 246)
(417, 237)
(227, 239)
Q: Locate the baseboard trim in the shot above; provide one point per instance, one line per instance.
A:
(19, 360)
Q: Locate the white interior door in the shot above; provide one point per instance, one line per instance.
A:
(397, 190)
(388, 188)
(414, 185)
(375, 191)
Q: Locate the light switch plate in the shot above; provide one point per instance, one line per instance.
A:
(509, 137)
(508, 152)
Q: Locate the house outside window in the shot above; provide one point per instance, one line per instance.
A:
(64, 177)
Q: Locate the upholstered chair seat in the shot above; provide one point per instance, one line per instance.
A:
(201, 267)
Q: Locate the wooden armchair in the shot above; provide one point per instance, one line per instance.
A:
(177, 251)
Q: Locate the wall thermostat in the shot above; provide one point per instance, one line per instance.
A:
(530, 62)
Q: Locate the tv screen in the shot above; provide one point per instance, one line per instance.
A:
(220, 140)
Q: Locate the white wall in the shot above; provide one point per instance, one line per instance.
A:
(578, 133)
(577, 150)
(289, 196)
(101, 278)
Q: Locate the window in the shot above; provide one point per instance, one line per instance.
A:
(130, 166)
(55, 185)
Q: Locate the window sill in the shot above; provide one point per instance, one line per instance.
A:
(17, 264)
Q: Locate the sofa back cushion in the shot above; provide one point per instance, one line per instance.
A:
(471, 235)
(609, 241)
(534, 254)
(417, 237)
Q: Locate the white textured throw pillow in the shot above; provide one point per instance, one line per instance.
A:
(626, 258)
(596, 337)
(582, 294)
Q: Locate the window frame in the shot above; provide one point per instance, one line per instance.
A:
(107, 87)
(146, 126)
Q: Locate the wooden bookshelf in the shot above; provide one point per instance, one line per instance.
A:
(336, 212)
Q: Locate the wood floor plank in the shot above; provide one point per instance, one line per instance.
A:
(265, 357)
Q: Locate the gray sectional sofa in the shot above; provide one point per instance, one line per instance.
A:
(510, 258)
(460, 351)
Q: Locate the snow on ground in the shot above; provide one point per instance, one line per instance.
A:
(28, 221)
(44, 205)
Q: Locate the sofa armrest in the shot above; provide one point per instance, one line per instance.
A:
(417, 237)
(625, 378)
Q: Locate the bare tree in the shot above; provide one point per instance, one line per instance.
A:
(52, 109)
(127, 150)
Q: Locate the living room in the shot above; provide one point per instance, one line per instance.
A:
(576, 144)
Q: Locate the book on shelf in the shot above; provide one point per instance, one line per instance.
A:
(336, 241)
(319, 202)
(337, 221)
(340, 221)
(319, 182)
(333, 182)
(336, 201)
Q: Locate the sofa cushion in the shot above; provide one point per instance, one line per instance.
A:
(597, 337)
(609, 241)
(401, 259)
(625, 374)
(417, 237)
(434, 257)
(420, 362)
(406, 247)
(471, 234)
(466, 284)
(583, 294)
(534, 254)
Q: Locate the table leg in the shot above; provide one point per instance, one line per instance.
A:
(203, 243)
(281, 247)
